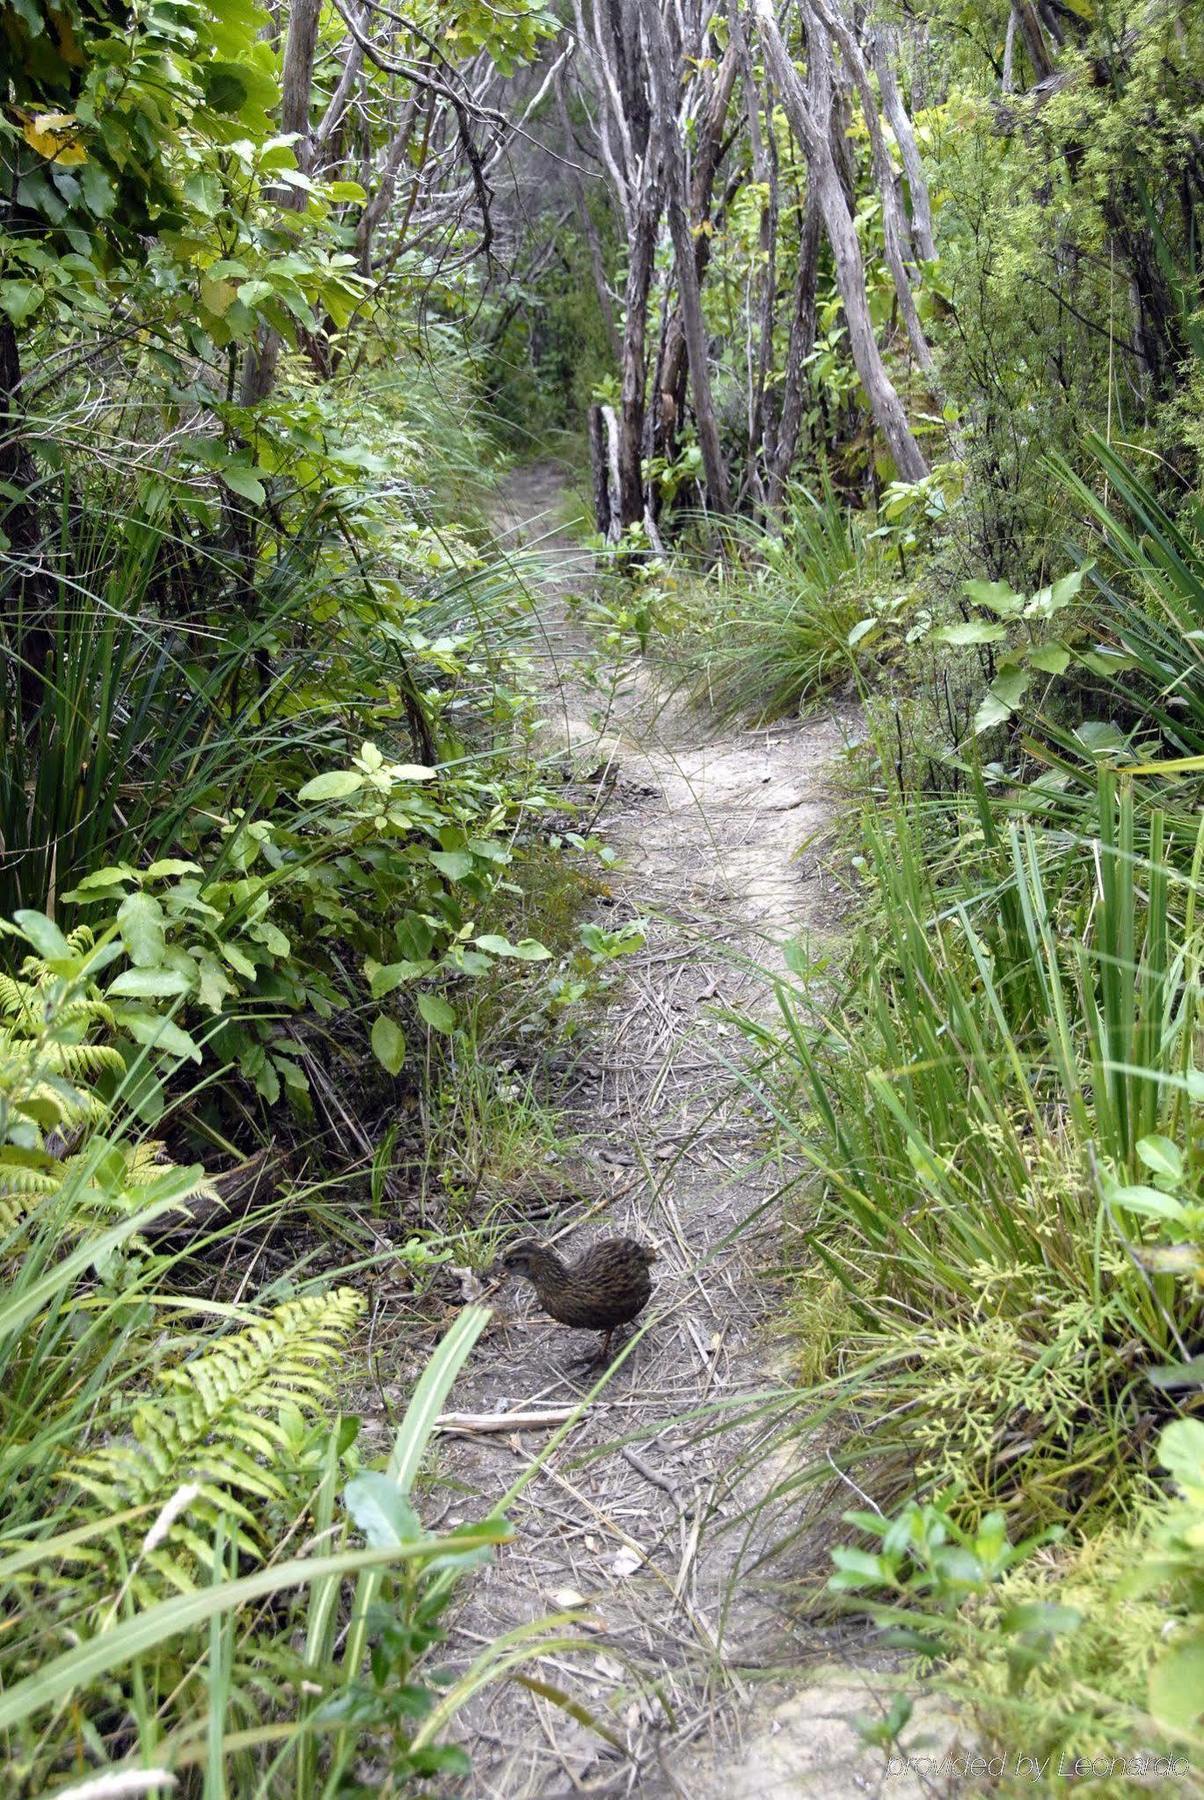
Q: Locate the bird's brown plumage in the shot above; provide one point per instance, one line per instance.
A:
(607, 1286)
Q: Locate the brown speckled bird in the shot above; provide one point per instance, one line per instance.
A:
(605, 1287)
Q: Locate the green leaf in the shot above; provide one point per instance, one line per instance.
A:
(20, 299)
(1181, 1452)
(975, 631)
(388, 1044)
(996, 596)
(1052, 659)
(336, 784)
(149, 984)
(162, 1034)
(455, 864)
(991, 711)
(1146, 1200)
(1009, 685)
(140, 922)
(391, 975)
(860, 1563)
(437, 1013)
(170, 866)
(1161, 1156)
(381, 1511)
(1175, 1375)
(1176, 1685)
(1101, 737)
(244, 481)
(44, 935)
(526, 950)
(225, 89)
(99, 194)
(1050, 600)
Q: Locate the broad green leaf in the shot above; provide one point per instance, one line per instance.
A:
(996, 596)
(1181, 1453)
(437, 1013)
(388, 1044)
(1051, 659)
(336, 784)
(1009, 685)
(20, 299)
(531, 950)
(455, 864)
(1150, 1202)
(1176, 1684)
(391, 975)
(44, 935)
(381, 1511)
(973, 631)
(140, 922)
(244, 481)
(1101, 737)
(162, 1034)
(991, 711)
(149, 984)
(171, 866)
(1160, 1155)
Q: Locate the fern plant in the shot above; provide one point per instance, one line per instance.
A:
(212, 1446)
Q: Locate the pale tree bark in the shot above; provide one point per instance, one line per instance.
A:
(386, 186)
(1034, 39)
(895, 230)
(885, 404)
(664, 88)
(648, 202)
(709, 141)
(1008, 81)
(764, 163)
(884, 55)
(589, 231)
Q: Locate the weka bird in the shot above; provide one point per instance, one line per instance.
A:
(605, 1287)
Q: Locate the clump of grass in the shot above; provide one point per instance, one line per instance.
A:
(779, 614)
(1006, 1044)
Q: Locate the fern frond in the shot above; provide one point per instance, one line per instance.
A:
(215, 1426)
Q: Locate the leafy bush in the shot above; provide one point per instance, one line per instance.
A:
(168, 1492)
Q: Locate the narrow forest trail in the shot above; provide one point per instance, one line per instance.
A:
(630, 1511)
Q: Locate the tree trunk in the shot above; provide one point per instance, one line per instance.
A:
(647, 206)
(884, 400)
(259, 372)
(664, 88)
(802, 342)
(884, 54)
(671, 378)
(894, 224)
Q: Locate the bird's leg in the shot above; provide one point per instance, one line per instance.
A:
(595, 1358)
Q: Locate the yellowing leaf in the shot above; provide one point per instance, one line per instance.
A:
(217, 297)
(56, 137)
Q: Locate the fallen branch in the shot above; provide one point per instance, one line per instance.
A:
(507, 1421)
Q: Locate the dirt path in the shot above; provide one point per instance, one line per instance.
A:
(639, 1513)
